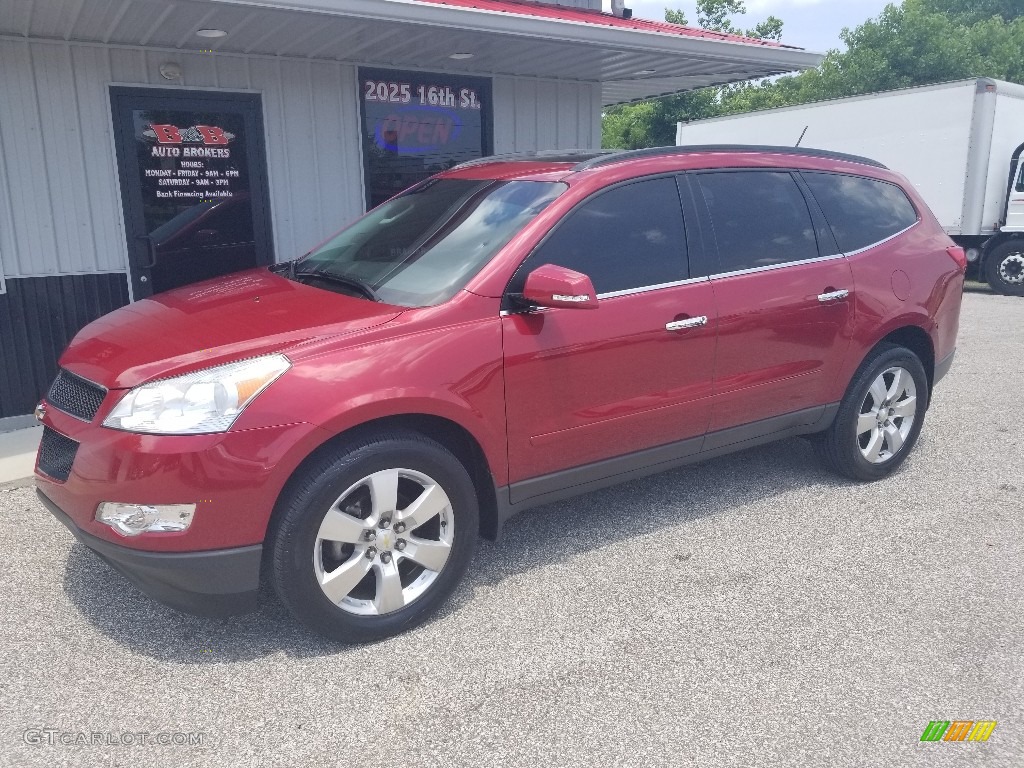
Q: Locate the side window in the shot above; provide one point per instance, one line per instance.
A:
(760, 218)
(861, 211)
(1020, 178)
(629, 237)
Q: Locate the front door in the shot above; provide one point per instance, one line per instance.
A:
(636, 373)
(193, 185)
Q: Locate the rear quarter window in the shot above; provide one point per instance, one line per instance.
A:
(861, 211)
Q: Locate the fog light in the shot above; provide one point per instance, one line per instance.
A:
(973, 254)
(133, 519)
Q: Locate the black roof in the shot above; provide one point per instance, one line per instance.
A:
(546, 155)
(595, 158)
(616, 157)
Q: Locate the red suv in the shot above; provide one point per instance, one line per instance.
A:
(506, 334)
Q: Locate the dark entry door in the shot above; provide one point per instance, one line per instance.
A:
(193, 184)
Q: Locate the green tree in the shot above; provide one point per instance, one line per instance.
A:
(676, 17)
(653, 123)
(972, 11)
(714, 14)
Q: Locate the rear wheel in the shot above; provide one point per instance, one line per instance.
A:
(880, 417)
(1004, 268)
(372, 538)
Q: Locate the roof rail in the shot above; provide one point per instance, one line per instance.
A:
(607, 158)
(546, 155)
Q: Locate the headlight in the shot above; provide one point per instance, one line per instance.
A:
(196, 403)
(133, 519)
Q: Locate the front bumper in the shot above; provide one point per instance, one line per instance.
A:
(216, 583)
(234, 478)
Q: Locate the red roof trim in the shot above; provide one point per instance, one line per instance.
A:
(599, 18)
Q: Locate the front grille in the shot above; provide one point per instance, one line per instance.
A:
(75, 395)
(56, 454)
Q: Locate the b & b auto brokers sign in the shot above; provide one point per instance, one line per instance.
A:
(182, 168)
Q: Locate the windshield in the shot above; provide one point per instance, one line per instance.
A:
(423, 246)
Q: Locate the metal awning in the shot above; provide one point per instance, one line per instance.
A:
(632, 59)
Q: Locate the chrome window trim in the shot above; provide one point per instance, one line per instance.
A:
(886, 240)
(719, 275)
(616, 294)
(647, 288)
(769, 267)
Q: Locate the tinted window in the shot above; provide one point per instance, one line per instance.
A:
(861, 211)
(1020, 179)
(759, 219)
(628, 237)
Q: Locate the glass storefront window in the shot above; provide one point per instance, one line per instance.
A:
(416, 124)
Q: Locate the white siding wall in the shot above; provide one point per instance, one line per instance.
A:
(60, 204)
(532, 114)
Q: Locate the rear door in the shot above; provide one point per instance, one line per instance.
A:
(783, 292)
(588, 385)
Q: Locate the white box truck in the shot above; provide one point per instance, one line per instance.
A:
(961, 144)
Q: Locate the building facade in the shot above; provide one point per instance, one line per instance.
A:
(147, 144)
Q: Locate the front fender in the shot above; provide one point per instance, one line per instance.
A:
(452, 372)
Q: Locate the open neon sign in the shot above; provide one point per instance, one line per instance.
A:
(417, 128)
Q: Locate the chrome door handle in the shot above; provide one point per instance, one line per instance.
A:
(824, 298)
(690, 322)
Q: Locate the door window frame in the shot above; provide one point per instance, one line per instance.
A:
(128, 98)
(509, 307)
(710, 264)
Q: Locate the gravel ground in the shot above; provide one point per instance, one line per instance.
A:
(750, 611)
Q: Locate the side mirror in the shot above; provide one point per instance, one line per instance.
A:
(554, 286)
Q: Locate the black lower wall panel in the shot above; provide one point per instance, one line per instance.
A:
(38, 317)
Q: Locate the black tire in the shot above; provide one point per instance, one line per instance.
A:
(292, 539)
(842, 446)
(1004, 268)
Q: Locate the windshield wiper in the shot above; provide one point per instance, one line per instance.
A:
(351, 282)
(287, 267)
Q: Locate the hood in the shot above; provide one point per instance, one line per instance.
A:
(217, 321)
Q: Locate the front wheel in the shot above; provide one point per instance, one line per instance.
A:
(1004, 268)
(880, 416)
(370, 539)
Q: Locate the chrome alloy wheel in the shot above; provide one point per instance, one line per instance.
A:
(383, 542)
(887, 415)
(1011, 269)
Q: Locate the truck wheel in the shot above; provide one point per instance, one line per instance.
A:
(371, 538)
(880, 416)
(1004, 268)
